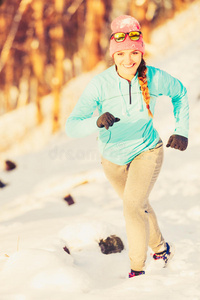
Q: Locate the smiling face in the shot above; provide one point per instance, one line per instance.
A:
(127, 63)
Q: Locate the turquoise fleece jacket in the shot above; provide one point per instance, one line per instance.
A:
(134, 133)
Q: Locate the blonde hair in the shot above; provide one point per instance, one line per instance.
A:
(142, 71)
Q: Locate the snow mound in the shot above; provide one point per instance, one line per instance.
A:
(42, 269)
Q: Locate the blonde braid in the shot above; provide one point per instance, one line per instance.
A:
(142, 71)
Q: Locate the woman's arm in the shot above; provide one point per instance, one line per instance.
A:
(172, 87)
(80, 122)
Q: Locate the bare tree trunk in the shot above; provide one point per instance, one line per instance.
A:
(57, 84)
(38, 70)
(11, 36)
(94, 25)
(24, 87)
(57, 35)
(37, 55)
(8, 82)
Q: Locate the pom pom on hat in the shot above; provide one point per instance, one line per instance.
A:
(125, 24)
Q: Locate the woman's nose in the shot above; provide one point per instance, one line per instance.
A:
(128, 59)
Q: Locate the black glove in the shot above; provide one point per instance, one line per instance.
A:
(106, 120)
(178, 142)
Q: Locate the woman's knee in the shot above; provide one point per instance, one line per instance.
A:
(135, 205)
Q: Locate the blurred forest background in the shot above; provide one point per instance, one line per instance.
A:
(45, 43)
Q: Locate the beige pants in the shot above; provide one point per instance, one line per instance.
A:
(133, 183)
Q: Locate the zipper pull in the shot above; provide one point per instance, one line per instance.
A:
(129, 91)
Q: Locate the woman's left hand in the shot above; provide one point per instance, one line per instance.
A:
(177, 142)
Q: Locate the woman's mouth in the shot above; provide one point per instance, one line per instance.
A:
(129, 66)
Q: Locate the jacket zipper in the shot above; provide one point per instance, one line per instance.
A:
(129, 91)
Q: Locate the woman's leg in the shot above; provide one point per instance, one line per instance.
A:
(133, 183)
(116, 175)
(156, 240)
(141, 223)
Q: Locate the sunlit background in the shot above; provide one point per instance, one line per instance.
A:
(45, 43)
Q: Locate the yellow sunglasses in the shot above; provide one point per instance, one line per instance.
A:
(120, 36)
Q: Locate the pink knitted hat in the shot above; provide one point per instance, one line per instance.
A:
(125, 24)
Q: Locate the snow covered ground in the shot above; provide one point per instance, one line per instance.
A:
(36, 223)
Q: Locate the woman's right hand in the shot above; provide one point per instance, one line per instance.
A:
(106, 120)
